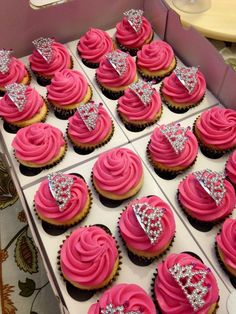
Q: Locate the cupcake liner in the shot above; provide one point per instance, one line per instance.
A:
(109, 93)
(2, 93)
(29, 75)
(91, 65)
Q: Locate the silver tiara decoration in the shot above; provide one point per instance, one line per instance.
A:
(149, 218)
(194, 291)
(89, 114)
(187, 76)
(176, 135)
(134, 18)
(44, 47)
(118, 60)
(143, 90)
(5, 59)
(120, 309)
(60, 188)
(213, 183)
(17, 94)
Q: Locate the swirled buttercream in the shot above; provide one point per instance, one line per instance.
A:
(16, 73)
(231, 168)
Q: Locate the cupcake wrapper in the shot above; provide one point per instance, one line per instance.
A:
(2, 93)
(108, 93)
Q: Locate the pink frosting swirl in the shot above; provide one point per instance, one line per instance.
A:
(88, 256)
(231, 168)
(133, 234)
(169, 294)
(162, 152)
(174, 89)
(131, 296)
(226, 242)
(10, 113)
(61, 60)
(38, 143)
(133, 108)
(17, 71)
(47, 207)
(94, 45)
(117, 171)
(67, 87)
(217, 127)
(127, 36)
(79, 132)
(200, 204)
(155, 56)
(108, 76)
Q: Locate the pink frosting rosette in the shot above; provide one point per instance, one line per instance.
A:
(17, 71)
(231, 168)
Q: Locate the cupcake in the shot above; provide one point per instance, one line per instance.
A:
(116, 71)
(67, 91)
(156, 61)
(215, 130)
(147, 226)
(90, 127)
(183, 89)
(12, 70)
(93, 45)
(62, 199)
(133, 31)
(172, 149)
(140, 106)
(22, 106)
(48, 57)
(183, 284)
(206, 196)
(225, 245)
(89, 258)
(124, 298)
(230, 169)
(39, 145)
(118, 174)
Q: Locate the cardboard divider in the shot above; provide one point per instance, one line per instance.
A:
(227, 93)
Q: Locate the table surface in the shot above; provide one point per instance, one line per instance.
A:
(219, 22)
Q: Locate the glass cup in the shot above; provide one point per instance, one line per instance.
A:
(192, 6)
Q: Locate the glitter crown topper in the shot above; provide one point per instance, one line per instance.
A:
(149, 218)
(5, 59)
(17, 94)
(118, 60)
(176, 135)
(213, 183)
(194, 291)
(60, 188)
(143, 90)
(134, 18)
(89, 114)
(44, 47)
(187, 76)
(120, 309)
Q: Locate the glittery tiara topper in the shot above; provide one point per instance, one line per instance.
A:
(149, 218)
(60, 188)
(194, 291)
(187, 76)
(213, 183)
(176, 135)
(143, 90)
(134, 18)
(118, 61)
(44, 47)
(17, 94)
(120, 309)
(5, 60)
(89, 114)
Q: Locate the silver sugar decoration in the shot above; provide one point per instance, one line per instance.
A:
(89, 114)
(187, 76)
(17, 94)
(118, 60)
(60, 188)
(44, 47)
(143, 90)
(134, 18)
(5, 60)
(120, 309)
(213, 183)
(176, 135)
(194, 291)
(149, 218)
